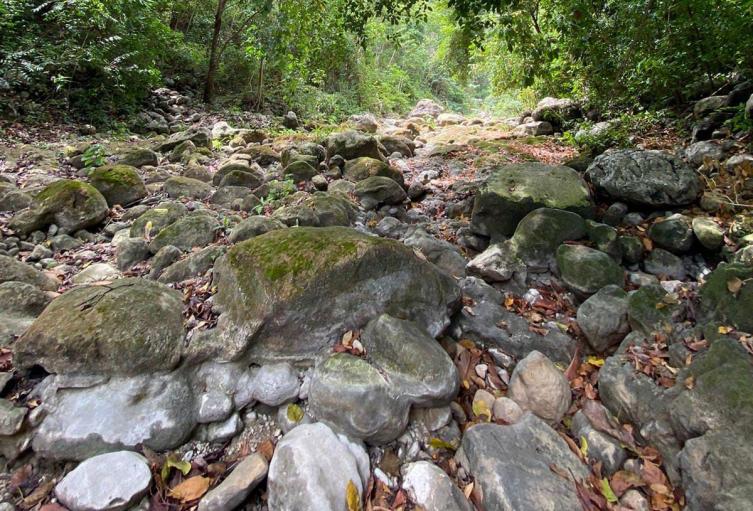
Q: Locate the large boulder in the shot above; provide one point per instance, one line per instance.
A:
(84, 417)
(370, 398)
(20, 304)
(644, 178)
(556, 110)
(365, 167)
(292, 293)
(154, 220)
(426, 108)
(512, 191)
(313, 467)
(181, 186)
(194, 230)
(129, 326)
(353, 144)
(727, 296)
(377, 190)
(512, 466)
(200, 137)
(603, 318)
(71, 205)
(119, 184)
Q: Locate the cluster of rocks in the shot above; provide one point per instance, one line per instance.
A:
(222, 287)
(167, 110)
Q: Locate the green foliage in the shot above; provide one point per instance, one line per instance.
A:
(93, 156)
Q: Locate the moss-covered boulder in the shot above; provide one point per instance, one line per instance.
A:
(70, 204)
(120, 184)
(353, 144)
(376, 190)
(311, 153)
(242, 178)
(138, 157)
(156, 219)
(292, 293)
(300, 170)
(727, 296)
(13, 270)
(714, 419)
(180, 186)
(651, 309)
(585, 270)
(366, 167)
(200, 137)
(512, 191)
(320, 209)
(541, 232)
(194, 230)
(261, 154)
(130, 326)
(253, 180)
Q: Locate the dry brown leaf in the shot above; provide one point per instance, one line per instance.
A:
(191, 489)
(734, 285)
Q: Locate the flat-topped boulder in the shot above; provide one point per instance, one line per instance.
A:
(129, 326)
(293, 293)
(67, 203)
(353, 144)
(512, 191)
(644, 178)
(119, 184)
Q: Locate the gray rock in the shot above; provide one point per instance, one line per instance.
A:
(491, 325)
(254, 226)
(130, 252)
(220, 431)
(353, 144)
(363, 276)
(130, 326)
(290, 120)
(214, 406)
(138, 157)
(601, 447)
(236, 487)
(432, 489)
(511, 466)
(11, 417)
(194, 265)
(603, 318)
(665, 264)
(699, 152)
(97, 272)
(371, 399)
(708, 232)
(507, 410)
(13, 270)
(673, 233)
(108, 482)
(645, 178)
(533, 128)
(180, 186)
(440, 252)
(585, 270)
(275, 384)
(164, 257)
(377, 190)
(537, 385)
(512, 191)
(20, 304)
(200, 137)
(426, 108)
(119, 184)
(153, 410)
(312, 467)
(194, 230)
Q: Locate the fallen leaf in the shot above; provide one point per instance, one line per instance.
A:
(584, 446)
(595, 361)
(481, 409)
(191, 489)
(623, 480)
(606, 490)
(438, 443)
(724, 330)
(173, 462)
(734, 285)
(352, 498)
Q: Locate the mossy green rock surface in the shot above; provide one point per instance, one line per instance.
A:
(721, 305)
(512, 191)
(157, 218)
(194, 230)
(120, 184)
(293, 293)
(353, 144)
(585, 270)
(131, 326)
(365, 167)
(540, 232)
(13, 270)
(70, 204)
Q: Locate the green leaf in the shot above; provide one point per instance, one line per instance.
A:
(606, 490)
(438, 443)
(173, 462)
(584, 446)
(295, 413)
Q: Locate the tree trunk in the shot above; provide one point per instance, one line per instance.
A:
(213, 52)
(260, 91)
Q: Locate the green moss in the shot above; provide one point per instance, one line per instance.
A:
(288, 258)
(116, 175)
(720, 305)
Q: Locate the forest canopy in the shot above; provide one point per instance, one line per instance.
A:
(329, 58)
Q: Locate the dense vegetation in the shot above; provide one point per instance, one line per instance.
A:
(328, 58)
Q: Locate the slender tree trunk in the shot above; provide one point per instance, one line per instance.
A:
(260, 91)
(213, 52)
